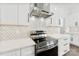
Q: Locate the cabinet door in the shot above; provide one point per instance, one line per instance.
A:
(60, 48)
(63, 49)
(0, 14)
(23, 14)
(28, 51)
(75, 40)
(11, 53)
(9, 14)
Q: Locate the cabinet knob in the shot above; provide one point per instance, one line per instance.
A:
(65, 39)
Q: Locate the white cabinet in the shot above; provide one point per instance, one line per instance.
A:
(11, 53)
(75, 39)
(9, 14)
(23, 10)
(0, 14)
(28, 51)
(63, 46)
(15, 14)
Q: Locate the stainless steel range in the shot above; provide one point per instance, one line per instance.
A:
(44, 43)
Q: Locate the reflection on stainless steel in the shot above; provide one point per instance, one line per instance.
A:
(39, 10)
(45, 45)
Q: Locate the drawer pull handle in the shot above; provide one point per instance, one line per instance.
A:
(65, 50)
(65, 44)
(65, 39)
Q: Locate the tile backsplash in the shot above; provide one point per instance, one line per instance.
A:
(13, 32)
(8, 32)
(53, 30)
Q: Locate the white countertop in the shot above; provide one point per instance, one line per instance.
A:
(15, 44)
(58, 36)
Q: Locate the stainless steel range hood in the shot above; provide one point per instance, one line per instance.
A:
(39, 11)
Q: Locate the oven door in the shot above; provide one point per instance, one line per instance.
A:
(46, 45)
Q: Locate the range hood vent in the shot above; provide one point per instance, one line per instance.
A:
(39, 11)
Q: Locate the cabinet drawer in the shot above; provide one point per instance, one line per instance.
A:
(63, 40)
(63, 51)
(63, 43)
(66, 49)
(66, 44)
(27, 50)
(63, 48)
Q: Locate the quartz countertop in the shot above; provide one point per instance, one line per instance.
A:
(15, 44)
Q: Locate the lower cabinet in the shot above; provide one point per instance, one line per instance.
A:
(26, 51)
(75, 39)
(11, 53)
(63, 46)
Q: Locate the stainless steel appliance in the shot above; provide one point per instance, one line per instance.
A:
(41, 10)
(44, 44)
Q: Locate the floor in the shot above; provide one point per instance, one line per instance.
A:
(74, 51)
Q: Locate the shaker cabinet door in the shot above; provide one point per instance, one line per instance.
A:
(23, 10)
(9, 14)
(75, 40)
(11, 53)
(28, 51)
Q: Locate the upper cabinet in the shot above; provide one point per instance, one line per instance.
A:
(9, 14)
(58, 19)
(23, 14)
(0, 15)
(14, 14)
